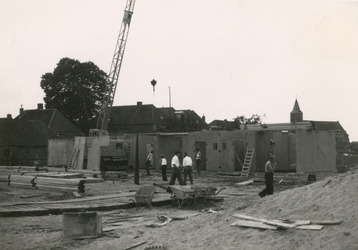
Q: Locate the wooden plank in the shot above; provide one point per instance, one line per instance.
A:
(44, 180)
(296, 222)
(309, 227)
(61, 175)
(108, 229)
(253, 224)
(270, 222)
(241, 194)
(336, 222)
(42, 187)
(244, 183)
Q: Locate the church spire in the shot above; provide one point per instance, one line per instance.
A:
(296, 113)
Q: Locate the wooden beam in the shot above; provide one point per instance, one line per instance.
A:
(253, 224)
(270, 222)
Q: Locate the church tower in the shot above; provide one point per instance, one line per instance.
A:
(296, 113)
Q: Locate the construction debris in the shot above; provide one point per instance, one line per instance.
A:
(297, 224)
(165, 220)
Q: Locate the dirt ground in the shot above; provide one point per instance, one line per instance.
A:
(207, 224)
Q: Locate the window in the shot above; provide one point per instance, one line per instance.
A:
(119, 146)
(224, 146)
(215, 146)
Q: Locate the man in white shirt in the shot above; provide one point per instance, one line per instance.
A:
(269, 169)
(176, 170)
(163, 166)
(198, 161)
(188, 168)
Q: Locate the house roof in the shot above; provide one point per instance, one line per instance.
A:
(146, 114)
(278, 126)
(327, 125)
(136, 114)
(194, 116)
(17, 132)
(220, 123)
(53, 119)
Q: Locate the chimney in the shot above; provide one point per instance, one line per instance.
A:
(9, 116)
(203, 118)
(40, 106)
(139, 106)
(21, 110)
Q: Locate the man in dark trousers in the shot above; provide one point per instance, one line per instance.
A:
(269, 169)
(176, 169)
(163, 166)
(188, 168)
(149, 162)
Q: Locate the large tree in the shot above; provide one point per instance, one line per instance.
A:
(76, 89)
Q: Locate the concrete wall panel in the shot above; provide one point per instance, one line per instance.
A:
(316, 151)
(59, 151)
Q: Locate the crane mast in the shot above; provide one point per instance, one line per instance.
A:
(113, 75)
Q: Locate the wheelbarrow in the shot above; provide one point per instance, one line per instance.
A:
(182, 194)
(144, 196)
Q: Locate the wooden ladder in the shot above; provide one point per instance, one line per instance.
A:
(73, 157)
(247, 163)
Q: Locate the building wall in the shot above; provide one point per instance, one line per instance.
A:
(24, 155)
(315, 151)
(145, 144)
(220, 153)
(59, 151)
(168, 144)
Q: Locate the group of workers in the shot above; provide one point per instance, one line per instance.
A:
(179, 171)
(187, 169)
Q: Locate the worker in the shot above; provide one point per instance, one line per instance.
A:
(175, 164)
(149, 162)
(163, 167)
(188, 168)
(198, 161)
(269, 169)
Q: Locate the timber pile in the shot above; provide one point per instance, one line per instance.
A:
(22, 169)
(248, 221)
(61, 175)
(94, 203)
(46, 183)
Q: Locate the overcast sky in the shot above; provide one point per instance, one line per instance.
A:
(220, 58)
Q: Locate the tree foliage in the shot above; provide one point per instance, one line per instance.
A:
(76, 90)
(254, 119)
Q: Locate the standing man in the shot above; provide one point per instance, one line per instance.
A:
(269, 169)
(198, 161)
(176, 169)
(163, 166)
(149, 162)
(188, 168)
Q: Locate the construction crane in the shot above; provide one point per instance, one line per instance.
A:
(113, 75)
(100, 150)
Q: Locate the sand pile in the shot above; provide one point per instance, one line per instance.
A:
(334, 198)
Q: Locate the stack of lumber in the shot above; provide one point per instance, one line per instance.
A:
(249, 221)
(60, 175)
(22, 169)
(46, 183)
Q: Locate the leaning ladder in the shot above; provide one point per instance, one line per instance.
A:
(73, 157)
(247, 163)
